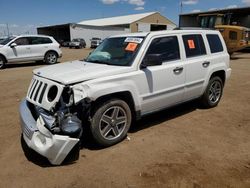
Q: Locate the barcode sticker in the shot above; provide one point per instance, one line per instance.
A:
(134, 40)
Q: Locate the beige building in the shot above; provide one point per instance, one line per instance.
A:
(105, 27)
(152, 21)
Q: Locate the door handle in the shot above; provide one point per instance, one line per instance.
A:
(206, 64)
(28, 48)
(178, 70)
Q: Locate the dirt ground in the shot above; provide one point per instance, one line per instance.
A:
(184, 146)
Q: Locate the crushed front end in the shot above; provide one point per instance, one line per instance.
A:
(51, 121)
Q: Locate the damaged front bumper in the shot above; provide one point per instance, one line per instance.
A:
(52, 146)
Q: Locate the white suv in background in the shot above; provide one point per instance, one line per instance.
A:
(29, 48)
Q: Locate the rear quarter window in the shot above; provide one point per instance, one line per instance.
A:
(194, 45)
(214, 43)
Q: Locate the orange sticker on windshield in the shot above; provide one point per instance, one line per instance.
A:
(131, 47)
(191, 44)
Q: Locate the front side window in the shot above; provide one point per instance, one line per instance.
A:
(22, 41)
(194, 45)
(118, 51)
(167, 48)
(214, 43)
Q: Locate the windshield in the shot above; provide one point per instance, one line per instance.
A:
(7, 40)
(76, 40)
(116, 51)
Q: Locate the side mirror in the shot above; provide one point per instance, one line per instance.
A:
(151, 60)
(13, 45)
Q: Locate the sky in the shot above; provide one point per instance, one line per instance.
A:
(24, 16)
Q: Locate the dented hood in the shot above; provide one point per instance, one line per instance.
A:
(78, 71)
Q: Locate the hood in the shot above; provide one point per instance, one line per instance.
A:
(78, 71)
(1, 45)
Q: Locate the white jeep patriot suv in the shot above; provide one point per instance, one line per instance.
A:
(29, 48)
(126, 77)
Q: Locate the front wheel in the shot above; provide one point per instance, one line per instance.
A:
(110, 122)
(213, 93)
(50, 58)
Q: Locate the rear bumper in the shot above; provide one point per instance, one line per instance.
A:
(54, 147)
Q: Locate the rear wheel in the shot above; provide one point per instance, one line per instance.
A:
(213, 93)
(110, 122)
(2, 62)
(50, 58)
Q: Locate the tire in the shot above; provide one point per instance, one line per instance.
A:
(213, 93)
(106, 127)
(2, 62)
(50, 58)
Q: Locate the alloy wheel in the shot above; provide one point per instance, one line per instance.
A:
(113, 122)
(215, 91)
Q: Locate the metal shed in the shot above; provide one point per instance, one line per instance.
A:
(233, 16)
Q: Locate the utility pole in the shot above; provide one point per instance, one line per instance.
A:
(181, 7)
(8, 31)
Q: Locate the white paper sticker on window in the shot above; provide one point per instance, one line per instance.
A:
(134, 40)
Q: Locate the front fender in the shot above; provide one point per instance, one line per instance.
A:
(95, 90)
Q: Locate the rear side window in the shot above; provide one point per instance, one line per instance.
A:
(39, 40)
(194, 45)
(232, 35)
(167, 47)
(214, 43)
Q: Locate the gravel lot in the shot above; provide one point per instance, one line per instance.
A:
(184, 146)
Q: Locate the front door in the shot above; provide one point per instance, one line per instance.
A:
(20, 52)
(165, 82)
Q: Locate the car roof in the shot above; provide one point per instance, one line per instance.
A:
(34, 36)
(155, 33)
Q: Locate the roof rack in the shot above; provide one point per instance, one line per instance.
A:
(192, 28)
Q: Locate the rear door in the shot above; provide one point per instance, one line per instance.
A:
(39, 46)
(196, 65)
(166, 81)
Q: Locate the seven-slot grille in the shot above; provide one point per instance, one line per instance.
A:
(37, 90)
